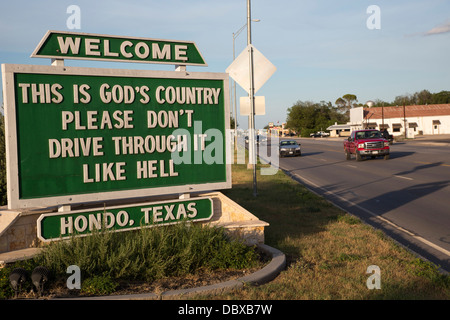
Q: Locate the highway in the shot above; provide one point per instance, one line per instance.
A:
(407, 196)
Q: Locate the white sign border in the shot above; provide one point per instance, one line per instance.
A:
(12, 167)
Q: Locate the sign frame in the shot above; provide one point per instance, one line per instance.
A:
(12, 165)
(49, 33)
(118, 207)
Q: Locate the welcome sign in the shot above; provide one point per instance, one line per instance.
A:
(86, 46)
(85, 134)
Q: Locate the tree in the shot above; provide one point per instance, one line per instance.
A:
(345, 103)
(423, 97)
(381, 103)
(406, 99)
(350, 99)
(308, 117)
(232, 123)
(440, 97)
(340, 103)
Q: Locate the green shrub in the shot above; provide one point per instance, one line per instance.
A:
(146, 254)
(99, 285)
(149, 253)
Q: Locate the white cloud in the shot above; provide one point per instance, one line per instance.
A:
(443, 28)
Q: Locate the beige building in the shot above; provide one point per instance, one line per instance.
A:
(415, 119)
(398, 120)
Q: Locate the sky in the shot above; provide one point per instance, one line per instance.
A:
(322, 49)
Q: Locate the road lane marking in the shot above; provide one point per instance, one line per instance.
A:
(402, 177)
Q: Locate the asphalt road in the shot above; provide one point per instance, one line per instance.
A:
(407, 196)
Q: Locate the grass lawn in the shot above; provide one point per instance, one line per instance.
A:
(328, 251)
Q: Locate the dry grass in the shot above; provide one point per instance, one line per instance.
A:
(328, 251)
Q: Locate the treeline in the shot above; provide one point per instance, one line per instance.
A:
(306, 117)
(423, 97)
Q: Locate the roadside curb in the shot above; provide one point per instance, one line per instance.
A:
(264, 275)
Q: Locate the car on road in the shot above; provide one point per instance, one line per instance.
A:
(289, 148)
(258, 139)
(366, 143)
(319, 134)
(387, 136)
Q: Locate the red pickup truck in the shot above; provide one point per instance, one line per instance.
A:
(366, 143)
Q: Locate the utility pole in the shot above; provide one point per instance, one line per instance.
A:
(404, 118)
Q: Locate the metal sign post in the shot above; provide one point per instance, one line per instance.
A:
(251, 79)
(251, 143)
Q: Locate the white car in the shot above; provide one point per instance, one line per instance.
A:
(319, 134)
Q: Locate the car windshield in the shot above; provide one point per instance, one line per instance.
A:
(368, 134)
(288, 143)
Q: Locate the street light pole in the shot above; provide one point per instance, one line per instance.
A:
(404, 118)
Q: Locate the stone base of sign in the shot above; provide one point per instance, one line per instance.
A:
(236, 220)
(18, 228)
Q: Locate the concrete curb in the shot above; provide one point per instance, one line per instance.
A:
(266, 274)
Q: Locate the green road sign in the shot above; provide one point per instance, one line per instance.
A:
(81, 134)
(58, 226)
(86, 46)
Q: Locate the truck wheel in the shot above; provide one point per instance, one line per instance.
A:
(347, 155)
(386, 157)
(358, 156)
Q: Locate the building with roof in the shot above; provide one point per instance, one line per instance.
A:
(414, 119)
(406, 121)
(340, 130)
